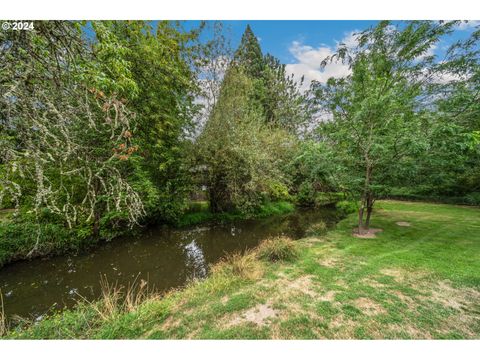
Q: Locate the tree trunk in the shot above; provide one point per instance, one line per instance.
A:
(369, 210)
(365, 202)
(360, 219)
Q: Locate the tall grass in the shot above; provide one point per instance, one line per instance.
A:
(117, 299)
(243, 265)
(280, 248)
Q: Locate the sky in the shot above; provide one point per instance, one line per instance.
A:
(302, 45)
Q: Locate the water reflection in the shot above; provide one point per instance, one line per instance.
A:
(195, 260)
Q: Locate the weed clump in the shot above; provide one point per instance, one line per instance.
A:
(279, 248)
(245, 265)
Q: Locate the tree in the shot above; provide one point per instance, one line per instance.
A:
(274, 91)
(162, 66)
(241, 155)
(249, 55)
(374, 124)
(283, 104)
(67, 142)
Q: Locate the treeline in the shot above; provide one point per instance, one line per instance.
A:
(95, 118)
(107, 125)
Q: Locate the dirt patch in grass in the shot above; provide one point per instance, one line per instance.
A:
(397, 274)
(466, 304)
(302, 284)
(329, 262)
(403, 223)
(406, 300)
(369, 307)
(328, 296)
(373, 283)
(366, 234)
(344, 328)
(455, 298)
(411, 331)
(259, 315)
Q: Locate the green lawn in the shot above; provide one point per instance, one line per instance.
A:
(419, 281)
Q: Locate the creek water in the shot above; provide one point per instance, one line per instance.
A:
(164, 257)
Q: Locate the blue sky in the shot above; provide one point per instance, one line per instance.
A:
(276, 36)
(302, 45)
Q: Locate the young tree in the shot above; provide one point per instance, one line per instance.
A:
(242, 156)
(374, 122)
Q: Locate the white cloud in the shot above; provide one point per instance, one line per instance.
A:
(447, 77)
(468, 25)
(308, 60)
(431, 50)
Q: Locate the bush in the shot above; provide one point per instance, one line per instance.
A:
(197, 206)
(473, 198)
(280, 248)
(278, 191)
(18, 240)
(425, 194)
(328, 198)
(306, 194)
(274, 208)
(346, 207)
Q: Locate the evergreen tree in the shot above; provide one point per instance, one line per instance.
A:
(249, 55)
(276, 93)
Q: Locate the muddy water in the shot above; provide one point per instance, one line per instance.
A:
(165, 257)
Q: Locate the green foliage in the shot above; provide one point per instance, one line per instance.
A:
(116, 140)
(193, 217)
(18, 240)
(312, 172)
(431, 194)
(274, 208)
(249, 55)
(110, 147)
(346, 207)
(241, 155)
(376, 127)
(306, 194)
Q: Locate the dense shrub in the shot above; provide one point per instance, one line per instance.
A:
(346, 207)
(18, 240)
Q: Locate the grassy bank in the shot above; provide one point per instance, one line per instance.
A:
(419, 278)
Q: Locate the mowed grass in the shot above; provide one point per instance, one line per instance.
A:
(418, 281)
